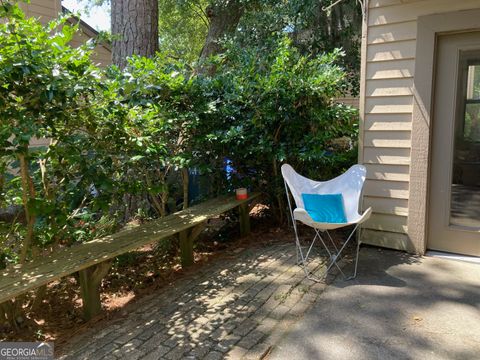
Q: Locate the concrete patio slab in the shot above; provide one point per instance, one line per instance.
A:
(399, 307)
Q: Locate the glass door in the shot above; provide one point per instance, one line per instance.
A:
(454, 184)
(465, 190)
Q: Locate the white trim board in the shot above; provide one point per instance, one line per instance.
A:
(451, 256)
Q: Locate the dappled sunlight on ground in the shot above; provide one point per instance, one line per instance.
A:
(237, 306)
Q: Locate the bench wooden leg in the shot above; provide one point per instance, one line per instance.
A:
(90, 280)
(187, 237)
(244, 213)
(186, 248)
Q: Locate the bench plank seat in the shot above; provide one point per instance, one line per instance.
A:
(20, 279)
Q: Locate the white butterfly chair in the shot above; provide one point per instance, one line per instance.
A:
(349, 185)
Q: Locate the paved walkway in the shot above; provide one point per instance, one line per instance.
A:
(399, 307)
(236, 307)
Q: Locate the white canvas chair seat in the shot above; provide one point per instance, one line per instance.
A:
(349, 185)
(302, 216)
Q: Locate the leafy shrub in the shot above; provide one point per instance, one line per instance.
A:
(122, 141)
(164, 105)
(46, 92)
(278, 107)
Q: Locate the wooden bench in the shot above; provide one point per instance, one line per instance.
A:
(92, 260)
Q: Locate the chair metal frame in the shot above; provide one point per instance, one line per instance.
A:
(334, 254)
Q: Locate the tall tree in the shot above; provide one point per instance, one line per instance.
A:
(183, 27)
(314, 26)
(134, 29)
(223, 16)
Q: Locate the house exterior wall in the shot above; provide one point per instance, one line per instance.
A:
(386, 108)
(101, 56)
(47, 10)
(349, 100)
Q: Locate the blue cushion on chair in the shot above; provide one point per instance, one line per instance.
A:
(325, 208)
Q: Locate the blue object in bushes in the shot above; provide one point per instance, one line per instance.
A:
(325, 208)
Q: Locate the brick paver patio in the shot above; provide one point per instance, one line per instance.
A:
(236, 307)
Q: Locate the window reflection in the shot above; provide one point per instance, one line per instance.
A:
(465, 192)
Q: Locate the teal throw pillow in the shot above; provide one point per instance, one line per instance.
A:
(325, 208)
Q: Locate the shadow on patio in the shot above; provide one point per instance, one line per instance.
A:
(399, 307)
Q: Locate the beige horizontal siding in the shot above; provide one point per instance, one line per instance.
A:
(398, 50)
(351, 101)
(395, 32)
(44, 19)
(79, 38)
(40, 7)
(382, 3)
(387, 117)
(100, 54)
(388, 172)
(387, 139)
(389, 87)
(386, 188)
(408, 11)
(391, 240)
(50, 4)
(388, 122)
(385, 222)
(399, 69)
(387, 156)
(44, 8)
(389, 105)
(77, 41)
(383, 205)
(101, 60)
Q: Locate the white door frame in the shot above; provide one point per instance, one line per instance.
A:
(428, 29)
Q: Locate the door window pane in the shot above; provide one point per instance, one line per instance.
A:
(473, 82)
(472, 123)
(465, 191)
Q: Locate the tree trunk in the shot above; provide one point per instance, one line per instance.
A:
(224, 18)
(28, 193)
(134, 29)
(185, 182)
